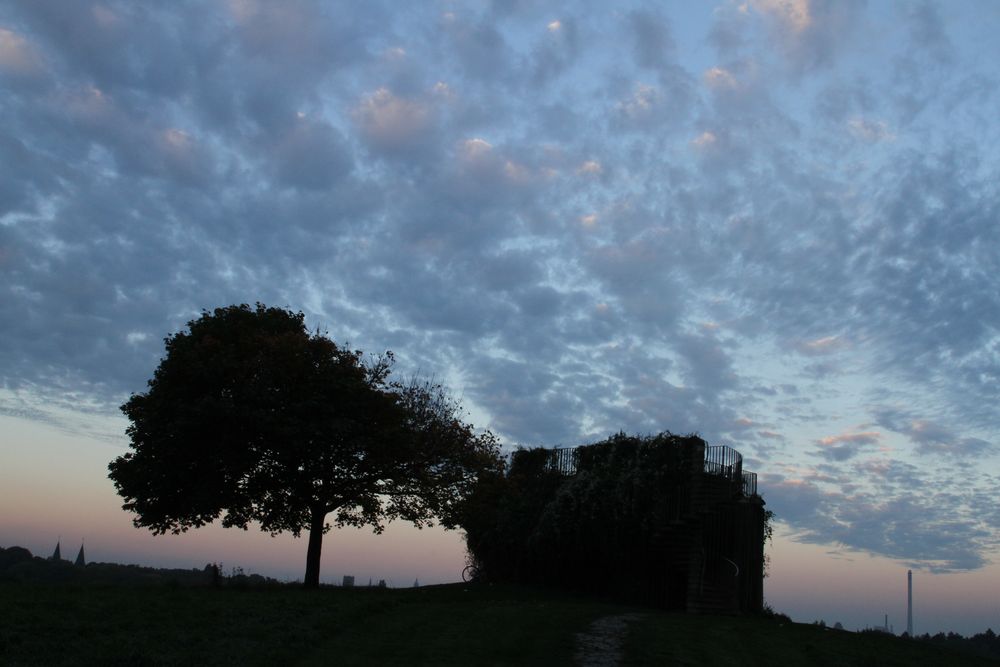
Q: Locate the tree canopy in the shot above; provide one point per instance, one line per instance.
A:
(251, 417)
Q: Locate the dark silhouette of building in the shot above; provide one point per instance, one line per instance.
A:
(57, 554)
(663, 520)
(909, 603)
(707, 548)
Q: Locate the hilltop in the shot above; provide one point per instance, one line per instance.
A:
(168, 620)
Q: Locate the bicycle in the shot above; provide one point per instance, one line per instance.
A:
(470, 573)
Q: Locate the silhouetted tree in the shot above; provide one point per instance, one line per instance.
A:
(251, 417)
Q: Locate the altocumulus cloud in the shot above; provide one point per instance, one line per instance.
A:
(729, 220)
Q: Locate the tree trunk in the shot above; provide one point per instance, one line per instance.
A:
(315, 548)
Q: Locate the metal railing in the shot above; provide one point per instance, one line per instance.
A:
(724, 461)
(563, 460)
(720, 461)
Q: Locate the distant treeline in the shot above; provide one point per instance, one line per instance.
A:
(986, 644)
(17, 564)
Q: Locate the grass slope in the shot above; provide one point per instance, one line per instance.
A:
(706, 641)
(441, 625)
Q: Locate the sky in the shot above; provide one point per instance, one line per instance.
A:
(774, 223)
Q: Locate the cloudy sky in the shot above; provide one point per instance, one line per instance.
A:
(774, 222)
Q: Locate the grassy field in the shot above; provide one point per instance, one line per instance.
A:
(442, 625)
(677, 639)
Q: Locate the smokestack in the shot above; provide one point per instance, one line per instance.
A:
(909, 602)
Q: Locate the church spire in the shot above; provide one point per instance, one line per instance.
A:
(56, 555)
(79, 557)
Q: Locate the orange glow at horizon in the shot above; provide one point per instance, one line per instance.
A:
(811, 582)
(54, 486)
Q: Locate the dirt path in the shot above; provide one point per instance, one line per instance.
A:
(602, 644)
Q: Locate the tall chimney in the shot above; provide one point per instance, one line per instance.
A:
(909, 603)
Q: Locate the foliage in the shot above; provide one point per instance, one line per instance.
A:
(610, 527)
(32, 570)
(251, 417)
(535, 525)
(13, 556)
(767, 611)
(984, 643)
